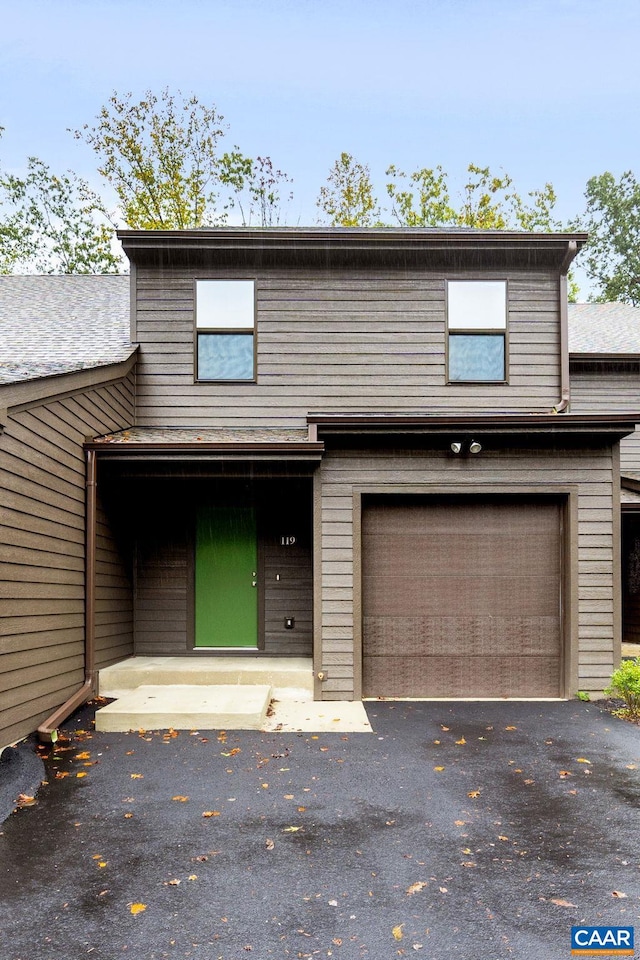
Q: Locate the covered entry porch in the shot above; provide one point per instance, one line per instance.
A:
(212, 532)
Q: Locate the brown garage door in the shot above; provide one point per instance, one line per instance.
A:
(461, 597)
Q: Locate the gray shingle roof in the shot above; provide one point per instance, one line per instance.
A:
(58, 324)
(609, 328)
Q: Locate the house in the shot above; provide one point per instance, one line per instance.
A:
(604, 353)
(361, 447)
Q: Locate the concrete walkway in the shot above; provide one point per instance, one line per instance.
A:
(476, 831)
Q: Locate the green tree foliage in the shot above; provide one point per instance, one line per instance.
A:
(348, 199)
(255, 187)
(161, 156)
(53, 224)
(612, 255)
(423, 199)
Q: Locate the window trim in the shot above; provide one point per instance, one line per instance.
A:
(244, 331)
(477, 331)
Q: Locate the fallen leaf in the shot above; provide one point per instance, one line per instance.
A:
(468, 863)
(269, 844)
(137, 776)
(25, 800)
(443, 889)
(502, 838)
(82, 773)
(397, 932)
(302, 809)
(128, 816)
(180, 799)
(511, 728)
(332, 903)
(466, 851)
(473, 794)
(137, 908)
(211, 813)
(61, 774)
(288, 796)
(102, 864)
(337, 941)
(438, 769)
(97, 856)
(265, 786)
(565, 773)
(83, 756)
(192, 876)
(562, 903)
(232, 752)
(461, 741)
(619, 894)
(459, 823)
(442, 727)
(291, 829)
(416, 887)
(582, 760)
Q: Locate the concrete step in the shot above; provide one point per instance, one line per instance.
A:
(187, 707)
(288, 676)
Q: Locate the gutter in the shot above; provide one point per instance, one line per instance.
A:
(565, 389)
(48, 731)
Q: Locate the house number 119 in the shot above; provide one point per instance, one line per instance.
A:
(287, 541)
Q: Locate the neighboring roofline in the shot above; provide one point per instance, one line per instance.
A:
(22, 393)
(299, 240)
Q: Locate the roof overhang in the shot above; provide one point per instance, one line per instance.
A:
(332, 247)
(588, 426)
(179, 444)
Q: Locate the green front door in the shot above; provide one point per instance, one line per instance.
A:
(226, 577)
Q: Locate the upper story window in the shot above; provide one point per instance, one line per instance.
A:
(477, 331)
(225, 330)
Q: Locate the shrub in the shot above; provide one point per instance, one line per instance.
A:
(625, 683)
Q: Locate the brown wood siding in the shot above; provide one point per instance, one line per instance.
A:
(461, 597)
(42, 509)
(590, 471)
(356, 342)
(612, 389)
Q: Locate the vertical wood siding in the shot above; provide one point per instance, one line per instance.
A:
(591, 470)
(339, 342)
(42, 514)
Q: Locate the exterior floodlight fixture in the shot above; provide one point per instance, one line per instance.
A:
(456, 447)
(475, 447)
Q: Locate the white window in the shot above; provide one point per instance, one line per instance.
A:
(476, 330)
(225, 330)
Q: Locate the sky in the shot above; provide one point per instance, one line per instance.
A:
(546, 90)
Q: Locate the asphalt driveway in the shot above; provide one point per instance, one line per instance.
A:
(471, 830)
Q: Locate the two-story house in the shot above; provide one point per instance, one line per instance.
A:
(354, 446)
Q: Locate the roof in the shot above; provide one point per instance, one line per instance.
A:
(330, 247)
(57, 324)
(604, 328)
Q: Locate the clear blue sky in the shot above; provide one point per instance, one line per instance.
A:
(544, 89)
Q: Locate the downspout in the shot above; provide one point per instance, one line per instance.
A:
(48, 731)
(565, 390)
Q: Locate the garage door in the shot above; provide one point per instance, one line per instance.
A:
(461, 597)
